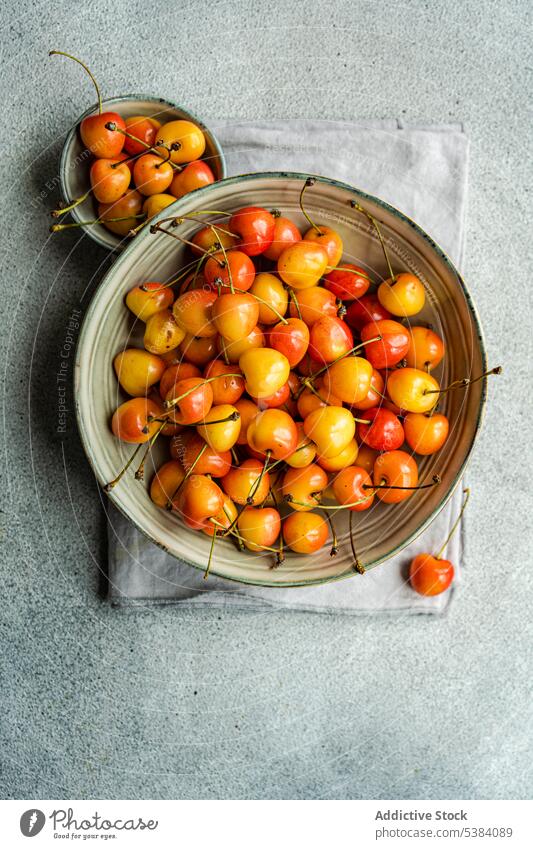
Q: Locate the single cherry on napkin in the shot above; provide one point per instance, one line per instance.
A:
(429, 574)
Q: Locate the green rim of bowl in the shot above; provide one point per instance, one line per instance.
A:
(291, 175)
(115, 101)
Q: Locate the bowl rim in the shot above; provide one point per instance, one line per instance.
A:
(110, 101)
(300, 176)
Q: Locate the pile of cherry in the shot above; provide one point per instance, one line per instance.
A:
(139, 167)
(282, 383)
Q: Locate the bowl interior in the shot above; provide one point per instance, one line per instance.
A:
(108, 328)
(76, 161)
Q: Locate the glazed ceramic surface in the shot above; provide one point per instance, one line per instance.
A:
(76, 161)
(109, 328)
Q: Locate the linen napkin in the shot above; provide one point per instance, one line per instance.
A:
(422, 171)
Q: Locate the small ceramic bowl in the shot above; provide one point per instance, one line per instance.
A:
(75, 160)
(108, 328)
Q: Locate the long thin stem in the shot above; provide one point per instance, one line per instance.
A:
(172, 403)
(57, 213)
(462, 384)
(112, 127)
(294, 299)
(213, 538)
(334, 540)
(373, 221)
(358, 566)
(466, 493)
(186, 477)
(257, 483)
(139, 474)
(274, 310)
(57, 228)
(308, 183)
(85, 68)
(109, 486)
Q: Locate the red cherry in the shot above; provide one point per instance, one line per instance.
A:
(330, 338)
(429, 575)
(347, 282)
(235, 267)
(391, 348)
(285, 234)
(291, 338)
(365, 310)
(255, 227)
(103, 143)
(385, 433)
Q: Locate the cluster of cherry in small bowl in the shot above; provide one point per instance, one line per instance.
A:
(287, 389)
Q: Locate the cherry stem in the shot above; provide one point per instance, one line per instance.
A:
(435, 482)
(109, 486)
(155, 228)
(213, 538)
(314, 495)
(257, 483)
(342, 356)
(164, 161)
(139, 474)
(239, 537)
(462, 384)
(334, 540)
(183, 273)
(186, 477)
(466, 493)
(373, 221)
(172, 403)
(358, 566)
(57, 228)
(85, 68)
(214, 227)
(294, 299)
(112, 127)
(63, 209)
(308, 183)
(274, 310)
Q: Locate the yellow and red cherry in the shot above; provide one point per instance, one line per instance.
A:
(183, 139)
(195, 454)
(347, 282)
(390, 345)
(328, 239)
(425, 434)
(247, 411)
(364, 311)
(255, 228)
(302, 487)
(331, 429)
(259, 527)
(305, 533)
(291, 338)
(270, 291)
(200, 499)
(274, 432)
(346, 457)
(209, 238)
(220, 427)
(127, 208)
(330, 338)
(310, 400)
(384, 431)
(143, 129)
(278, 399)
(148, 298)
(235, 315)
(193, 312)
(233, 270)
(429, 575)
(162, 333)
(248, 483)
(286, 233)
(224, 519)
(153, 204)
(132, 423)
(352, 488)
(199, 349)
(265, 371)
(402, 295)
(110, 179)
(374, 396)
(349, 379)
(302, 264)
(312, 304)
(426, 349)
(305, 451)
(233, 350)
(165, 482)
(366, 457)
(412, 390)
(194, 176)
(152, 175)
(189, 400)
(138, 370)
(228, 388)
(395, 469)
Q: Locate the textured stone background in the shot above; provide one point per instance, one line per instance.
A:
(103, 703)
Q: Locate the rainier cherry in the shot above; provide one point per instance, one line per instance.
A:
(412, 390)
(255, 227)
(259, 527)
(265, 371)
(305, 533)
(384, 431)
(425, 434)
(403, 295)
(302, 264)
(391, 345)
(347, 282)
(194, 176)
(364, 311)
(429, 574)
(285, 234)
(183, 139)
(426, 349)
(138, 370)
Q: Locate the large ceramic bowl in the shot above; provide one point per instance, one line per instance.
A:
(108, 327)
(75, 160)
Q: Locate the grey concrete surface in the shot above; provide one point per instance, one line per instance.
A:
(106, 703)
